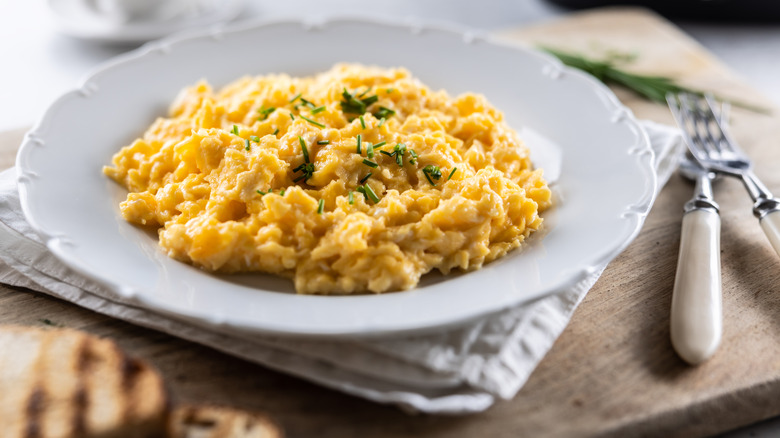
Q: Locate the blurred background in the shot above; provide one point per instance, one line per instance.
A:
(48, 46)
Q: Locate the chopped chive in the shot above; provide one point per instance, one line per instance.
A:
(254, 138)
(351, 197)
(320, 206)
(260, 192)
(370, 163)
(452, 173)
(265, 112)
(307, 169)
(365, 178)
(380, 144)
(431, 171)
(362, 122)
(307, 103)
(387, 153)
(247, 144)
(305, 150)
(319, 109)
(412, 160)
(295, 98)
(351, 104)
(369, 150)
(368, 101)
(384, 112)
(364, 93)
(292, 117)
(359, 140)
(235, 130)
(371, 193)
(312, 122)
(282, 192)
(323, 142)
(389, 90)
(381, 122)
(276, 132)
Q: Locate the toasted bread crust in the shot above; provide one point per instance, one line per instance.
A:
(61, 383)
(190, 421)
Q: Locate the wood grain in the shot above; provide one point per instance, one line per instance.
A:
(613, 371)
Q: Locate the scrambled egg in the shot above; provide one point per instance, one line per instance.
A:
(356, 179)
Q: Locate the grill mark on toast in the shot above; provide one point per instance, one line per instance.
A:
(33, 411)
(81, 396)
(131, 368)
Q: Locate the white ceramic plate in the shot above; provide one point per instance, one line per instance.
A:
(605, 189)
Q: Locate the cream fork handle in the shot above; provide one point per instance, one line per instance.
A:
(770, 223)
(696, 316)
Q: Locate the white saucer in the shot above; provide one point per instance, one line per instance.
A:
(76, 19)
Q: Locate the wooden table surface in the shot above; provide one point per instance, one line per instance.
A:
(613, 371)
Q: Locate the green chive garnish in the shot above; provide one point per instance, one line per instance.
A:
(380, 144)
(305, 150)
(312, 121)
(370, 193)
(295, 98)
(431, 171)
(235, 130)
(355, 105)
(370, 150)
(254, 138)
(307, 169)
(388, 153)
(282, 192)
(307, 103)
(365, 178)
(260, 192)
(362, 122)
(399, 151)
(359, 140)
(265, 112)
(247, 144)
(452, 173)
(389, 90)
(384, 112)
(370, 163)
(323, 142)
(412, 160)
(351, 197)
(292, 117)
(319, 109)
(381, 122)
(364, 93)
(321, 206)
(276, 132)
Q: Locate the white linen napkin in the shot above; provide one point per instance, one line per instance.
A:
(458, 371)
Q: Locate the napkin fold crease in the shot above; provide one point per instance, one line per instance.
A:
(456, 371)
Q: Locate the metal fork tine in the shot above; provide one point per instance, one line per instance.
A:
(690, 111)
(676, 106)
(708, 121)
(722, 122)
(701, 121)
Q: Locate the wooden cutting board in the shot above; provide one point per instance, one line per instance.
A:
(613, 371)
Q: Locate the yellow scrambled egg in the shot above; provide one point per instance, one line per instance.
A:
(356, 179)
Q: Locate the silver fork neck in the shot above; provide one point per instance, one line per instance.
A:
(764, 202)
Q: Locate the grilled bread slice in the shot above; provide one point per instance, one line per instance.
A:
(58, 383)
(219, 422)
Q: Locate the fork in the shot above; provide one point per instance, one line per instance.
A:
(696, 321)
(709, 142)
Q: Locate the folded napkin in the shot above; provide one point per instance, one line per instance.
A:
(456, 371)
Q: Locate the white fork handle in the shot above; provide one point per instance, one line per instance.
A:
(696, 317)
(770, 223)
